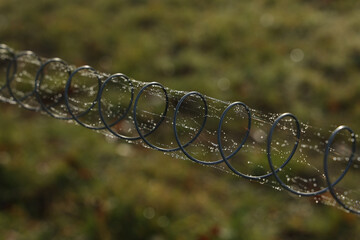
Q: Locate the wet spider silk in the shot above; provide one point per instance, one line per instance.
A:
(269, 148)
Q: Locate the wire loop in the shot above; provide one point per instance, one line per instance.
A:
(70, 111)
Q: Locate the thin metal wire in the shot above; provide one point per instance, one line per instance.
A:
(38, 82)
(11, 79)
(122, 116)
(182, 148)
(11, 71)
(221, 150)
(68, 105)
(326, 165)
(12, 63)
(275, 172)
(163, 115)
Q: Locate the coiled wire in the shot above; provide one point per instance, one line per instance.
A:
(11, 71)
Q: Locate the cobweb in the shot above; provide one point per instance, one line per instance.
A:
(105, 103)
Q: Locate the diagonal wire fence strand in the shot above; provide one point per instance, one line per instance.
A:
(276, 149)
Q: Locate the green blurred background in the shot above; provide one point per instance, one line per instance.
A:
(61, 181)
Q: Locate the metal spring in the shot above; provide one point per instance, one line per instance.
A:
(12, 69)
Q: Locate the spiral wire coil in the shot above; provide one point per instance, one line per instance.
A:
(133, 104)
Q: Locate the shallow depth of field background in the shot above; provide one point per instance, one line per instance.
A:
(61, 181)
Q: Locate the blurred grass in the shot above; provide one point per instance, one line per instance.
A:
(59, 181)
